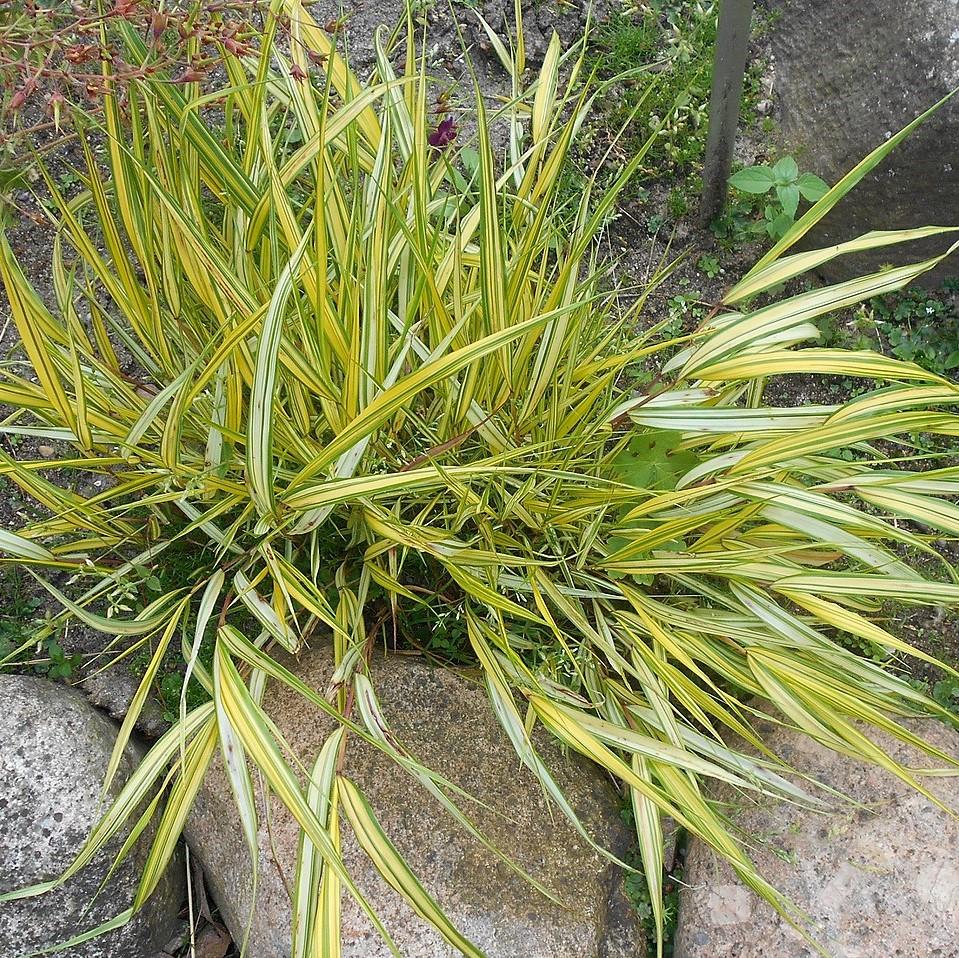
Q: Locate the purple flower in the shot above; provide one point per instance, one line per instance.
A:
(444, 134)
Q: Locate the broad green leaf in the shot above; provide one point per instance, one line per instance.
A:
(788, 195)
(785, 170)
(837, 192)
(812, 187)
(753, 179)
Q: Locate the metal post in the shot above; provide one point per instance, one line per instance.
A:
(729, 67)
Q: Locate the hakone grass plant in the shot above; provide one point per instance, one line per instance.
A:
(285, 319)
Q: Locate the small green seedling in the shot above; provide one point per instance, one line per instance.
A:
(785, 186)
(60, 665)
(710, 265)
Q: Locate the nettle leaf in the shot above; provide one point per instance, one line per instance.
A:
(786, 170)
(812, 187)
(789, 197)
(753, 179)
(778, 225)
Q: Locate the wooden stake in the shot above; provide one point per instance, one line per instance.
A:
(729, 67)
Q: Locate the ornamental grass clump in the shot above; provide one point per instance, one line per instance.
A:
(344, 363)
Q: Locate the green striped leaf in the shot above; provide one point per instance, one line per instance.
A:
(391, 865)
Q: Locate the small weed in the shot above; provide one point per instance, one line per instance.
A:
(785, 855)
(18, 615)
(677, 203)
(59, 665)
(443, 632)
(866, 648)
(922, 327)
(637, 892)
(736, 224)
(171, 688)
(174, 569)
(915, 325)
(655, 223)
(660, 55)
(946, 693)
(709, 265)
(11, 177)
(19, 620)
(684, 309)
(168, 687)
(783, 186)
(639, 375)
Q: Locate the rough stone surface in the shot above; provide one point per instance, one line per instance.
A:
(851, 74)
(448, 725)
(112, 689)
(54, 751)
(878, 880)
(108, 685)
